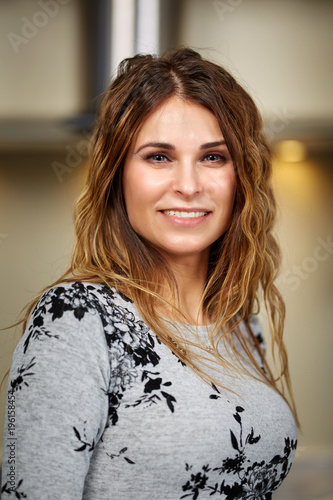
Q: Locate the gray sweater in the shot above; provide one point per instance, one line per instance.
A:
(98, 408)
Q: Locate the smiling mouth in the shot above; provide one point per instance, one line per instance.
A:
(184, 215)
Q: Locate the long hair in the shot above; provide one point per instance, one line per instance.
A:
(243, 263)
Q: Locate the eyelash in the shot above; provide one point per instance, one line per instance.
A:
(152, 155)
(220, 157)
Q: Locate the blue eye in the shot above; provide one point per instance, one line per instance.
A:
(213, 157)
(216, 158)
(157, 157)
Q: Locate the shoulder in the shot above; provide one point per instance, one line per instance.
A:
(78, 300)
(252, 334)
(257, 331)
(76, 305)
(74, 309)
(66, 334)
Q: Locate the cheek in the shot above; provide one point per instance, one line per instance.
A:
(140, 196)
(133, 204)
(132, 188)
(142, 188)
(226, 190)
(232, 190)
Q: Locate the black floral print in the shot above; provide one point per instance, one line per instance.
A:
(16, 492)
(131, 346)
(84, 443)
(136, 360)
(121, 453)
(197, 482)
(130, 342)
(56, 301)
(152, 391)
(254, 482)
(23, 373)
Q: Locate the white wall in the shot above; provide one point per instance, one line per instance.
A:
(41, 62)
(281, 49)
(36, 235)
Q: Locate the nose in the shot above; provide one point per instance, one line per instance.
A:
(187, 179)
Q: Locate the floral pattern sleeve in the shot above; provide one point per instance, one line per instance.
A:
(98, 408)
(57, 402)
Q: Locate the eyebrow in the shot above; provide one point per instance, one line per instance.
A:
(162, 145)
(209, 145)
(166, 145)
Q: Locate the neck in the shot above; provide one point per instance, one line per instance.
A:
(191, 274)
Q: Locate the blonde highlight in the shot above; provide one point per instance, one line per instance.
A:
(244, 262)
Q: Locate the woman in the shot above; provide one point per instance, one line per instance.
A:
(141, 372)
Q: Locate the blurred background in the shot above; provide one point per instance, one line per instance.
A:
(56, 58)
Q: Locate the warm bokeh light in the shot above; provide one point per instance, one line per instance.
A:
(292, 151)
(48, 96)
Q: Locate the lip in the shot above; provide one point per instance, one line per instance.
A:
(188, 209)
(184, 222)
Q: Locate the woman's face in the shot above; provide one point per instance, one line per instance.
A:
(179, 181)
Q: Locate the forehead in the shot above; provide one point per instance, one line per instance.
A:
(176, 119)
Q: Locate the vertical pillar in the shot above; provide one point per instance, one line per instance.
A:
(148, 26)
(123, 16)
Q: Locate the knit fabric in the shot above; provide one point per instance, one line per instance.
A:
(99, 409)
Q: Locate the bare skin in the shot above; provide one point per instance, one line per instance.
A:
(179, 186)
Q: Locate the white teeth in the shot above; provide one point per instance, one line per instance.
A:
(184, 215)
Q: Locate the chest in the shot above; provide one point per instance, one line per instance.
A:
(168, 428)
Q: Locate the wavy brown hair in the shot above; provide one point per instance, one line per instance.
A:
(243, 263)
